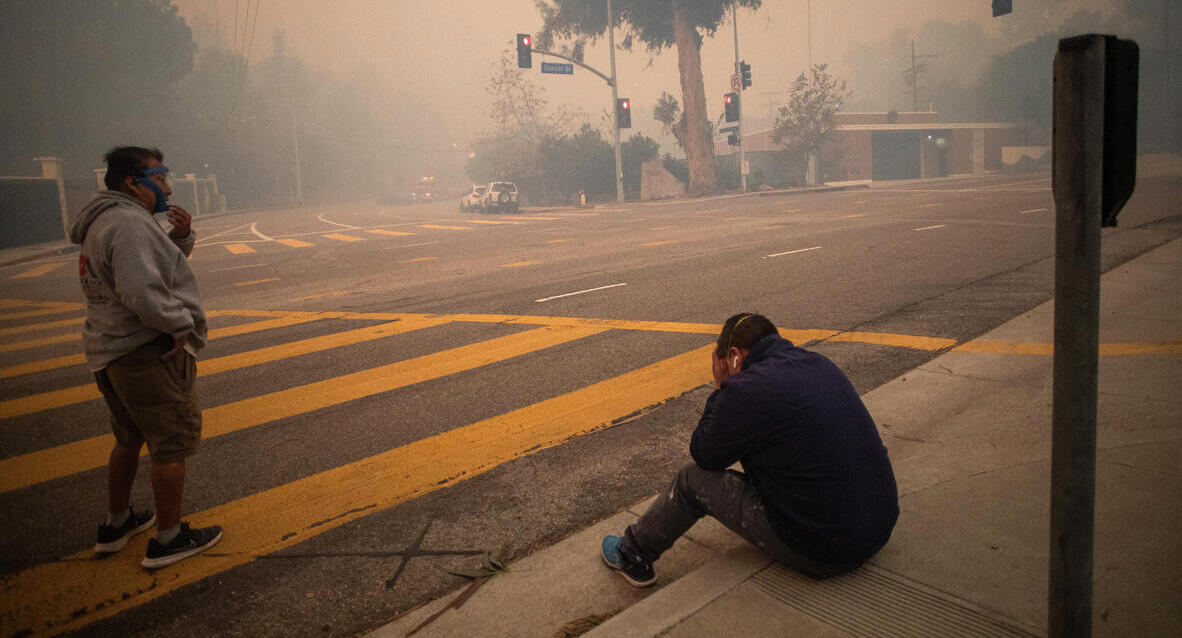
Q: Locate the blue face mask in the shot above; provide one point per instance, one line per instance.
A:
(146, 180)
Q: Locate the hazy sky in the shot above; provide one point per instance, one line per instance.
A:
(425, 64)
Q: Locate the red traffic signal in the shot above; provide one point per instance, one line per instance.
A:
(524, 51)
(623, 112)
(731, 100)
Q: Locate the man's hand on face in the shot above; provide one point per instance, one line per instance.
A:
(719, 369)
(182, 222)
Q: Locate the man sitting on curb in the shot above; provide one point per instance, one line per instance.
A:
(817, 492)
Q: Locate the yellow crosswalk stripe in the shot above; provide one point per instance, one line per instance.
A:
(887, 339)
(539, 219)
(255, 282)
(14, 303)
(78, 359)
(43, 269)
(294, 243)
(71, 593)
(519, 264)
(489, 222)
(391, 233)
(343, 237)
(37, 343)
(417, 260)
(59, 398)
(49, 308)
(442, 227)
(661, 243)
(239, 249)
(42, 326)
(79, 456)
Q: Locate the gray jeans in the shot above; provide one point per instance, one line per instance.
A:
(727, 496)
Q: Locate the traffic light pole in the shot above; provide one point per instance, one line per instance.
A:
(611, 81)
(611, 41)
(739, 93)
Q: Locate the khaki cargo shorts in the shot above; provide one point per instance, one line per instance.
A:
(153, 400)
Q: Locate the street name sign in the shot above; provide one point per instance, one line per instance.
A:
(561, 68)
(729, 129)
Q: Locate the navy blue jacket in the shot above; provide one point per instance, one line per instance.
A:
(810, 448)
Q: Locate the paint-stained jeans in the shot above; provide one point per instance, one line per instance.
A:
(727, 496)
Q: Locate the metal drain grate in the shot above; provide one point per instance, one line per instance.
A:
(875, 603)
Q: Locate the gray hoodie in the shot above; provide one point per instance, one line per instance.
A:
(136, 279)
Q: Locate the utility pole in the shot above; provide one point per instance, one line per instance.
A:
(611, 41)
(911, 76)
(742, 153)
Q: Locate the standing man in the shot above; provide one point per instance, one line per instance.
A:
(144, 326)
(817, 492)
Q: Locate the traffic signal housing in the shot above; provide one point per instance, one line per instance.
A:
(733, 139)
(745, 71)
(624, 113)
(731, 102)
(524, 50)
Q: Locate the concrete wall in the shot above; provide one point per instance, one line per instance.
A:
(658, 183)
(30, 212)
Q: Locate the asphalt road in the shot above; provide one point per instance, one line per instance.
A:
(391, 377)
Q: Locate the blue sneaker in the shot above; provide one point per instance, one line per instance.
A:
(637, 574)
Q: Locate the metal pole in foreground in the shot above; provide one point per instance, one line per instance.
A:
(1078, 153)
(611, 41)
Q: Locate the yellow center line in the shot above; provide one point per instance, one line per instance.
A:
(489, 221)
(390, 233)
(40, 270)
(660, 243)
(256, 281)
(79, 456)
(239, 249)
(518, 264)
(295, 243)
(538, 219)
(441, 227)
(74, 592)
(343, 237)
(14, 303)
(417, 260)
(557, 241)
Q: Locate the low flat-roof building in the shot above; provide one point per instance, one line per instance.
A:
(892, 146)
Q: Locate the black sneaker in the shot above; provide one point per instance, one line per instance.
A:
(188, 542)
(638, 574)
(112, 539)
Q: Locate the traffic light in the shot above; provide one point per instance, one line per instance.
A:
(524, 51)
(733, 139)
(731, 101)
(623, 113)
(745, 71)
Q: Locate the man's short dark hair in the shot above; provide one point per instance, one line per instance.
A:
(743, 331)
(127, 161)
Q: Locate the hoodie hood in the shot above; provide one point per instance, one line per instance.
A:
(97, 205)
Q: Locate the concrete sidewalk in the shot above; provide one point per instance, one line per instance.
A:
(969, 436)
